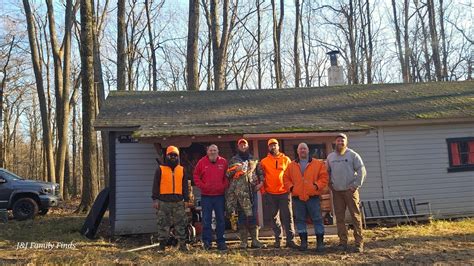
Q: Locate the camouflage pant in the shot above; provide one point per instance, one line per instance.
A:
(169, 214)
(238, 197)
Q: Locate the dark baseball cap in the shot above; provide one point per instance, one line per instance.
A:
(341, 135)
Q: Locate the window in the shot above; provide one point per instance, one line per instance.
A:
(461, 154)
(315, 151)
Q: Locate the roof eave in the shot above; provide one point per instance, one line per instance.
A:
(116, 128)
(418, 122)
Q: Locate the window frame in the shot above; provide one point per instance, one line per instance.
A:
(313, 146)
(461, 168)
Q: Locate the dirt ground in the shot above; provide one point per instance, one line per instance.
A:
(55, 238)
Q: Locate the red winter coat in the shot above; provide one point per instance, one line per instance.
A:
(211, 177)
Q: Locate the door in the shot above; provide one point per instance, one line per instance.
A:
(6, 188)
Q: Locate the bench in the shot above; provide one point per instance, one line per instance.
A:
(394, 209)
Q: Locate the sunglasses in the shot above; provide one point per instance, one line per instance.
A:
(173, 155)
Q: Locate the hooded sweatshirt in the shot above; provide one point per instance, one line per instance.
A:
(273, 168)
(346, 170)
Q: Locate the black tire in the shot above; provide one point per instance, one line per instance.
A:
(24, 209)
(43, 211)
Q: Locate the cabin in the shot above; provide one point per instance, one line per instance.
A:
(416, 140)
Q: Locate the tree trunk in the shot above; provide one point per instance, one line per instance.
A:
(353, 74)
(152, 46)
(406, 74)
(192, 48)
(399, 42)
(62, 77)
(47, 139)
(296, 58)
(100, 92)
(443, 40)
(89, 163)
(2, 89)
(370, 51)
(426, 53)
(306, 53)
(277, 28)
(259, 49)
(220, 39)
(434, 39)
(121, 54)
(74, 153)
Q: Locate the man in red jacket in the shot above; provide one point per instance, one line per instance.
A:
(210, 177)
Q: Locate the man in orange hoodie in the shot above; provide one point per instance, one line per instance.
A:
(306, 178)
(278, 196)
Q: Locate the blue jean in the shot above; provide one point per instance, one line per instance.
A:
(249, 220)
(216, 204)
(312, 208)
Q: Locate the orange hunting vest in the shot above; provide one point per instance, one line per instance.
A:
(171, 181)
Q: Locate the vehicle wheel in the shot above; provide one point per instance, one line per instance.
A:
(24, 208)
(43, 211)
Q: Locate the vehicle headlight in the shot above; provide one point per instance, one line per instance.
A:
(46, 190)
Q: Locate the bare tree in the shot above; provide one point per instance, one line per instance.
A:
(443, 39)
(90, 181)
(277, 29)
(425, 38)
(401, 54)
(47, 139)
(259, 41)
(121, 53)
(2, 89)
(434, 39)
(62, 77)
(100, 87)
(151, 43)
(220, 38)
(296, 39)
(192, 50)
(367, 37)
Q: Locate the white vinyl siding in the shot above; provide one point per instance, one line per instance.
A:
(368, 149)
(417, 162)
(135, 169)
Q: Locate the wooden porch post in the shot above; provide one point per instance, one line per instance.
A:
(259, 194)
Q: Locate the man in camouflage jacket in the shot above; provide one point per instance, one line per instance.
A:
(245, 177)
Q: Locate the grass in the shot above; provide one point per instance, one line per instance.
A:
(439, 242)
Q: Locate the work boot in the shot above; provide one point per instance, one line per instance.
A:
(304, 241)
(221, 246)
(360, 248)
(207, 246)
(243, 234)
(254, 235)
(291, 244)
(277, 243)
(183, 246)
(162, 245)
(341, 247)
(320, 243)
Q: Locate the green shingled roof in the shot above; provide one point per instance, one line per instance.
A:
(339, 108)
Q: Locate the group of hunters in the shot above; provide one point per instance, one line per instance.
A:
(293, 189)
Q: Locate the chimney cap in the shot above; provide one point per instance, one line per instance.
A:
(333, 52)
